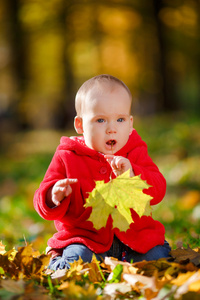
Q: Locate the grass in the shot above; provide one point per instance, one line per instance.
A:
(174, 144)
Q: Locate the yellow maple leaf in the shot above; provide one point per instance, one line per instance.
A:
(116, 198)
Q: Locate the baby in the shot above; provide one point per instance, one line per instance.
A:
(108, 146)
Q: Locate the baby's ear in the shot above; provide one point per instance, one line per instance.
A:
(78, 124)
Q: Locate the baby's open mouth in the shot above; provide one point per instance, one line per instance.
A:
(111, 142)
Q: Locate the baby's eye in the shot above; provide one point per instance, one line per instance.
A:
(120, 120)
(100, 120)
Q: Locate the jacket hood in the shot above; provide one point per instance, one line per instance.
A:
(77, 144)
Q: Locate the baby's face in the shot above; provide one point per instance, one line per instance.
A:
(106, 121)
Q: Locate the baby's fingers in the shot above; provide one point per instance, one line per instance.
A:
(56, 202)
(72, 180)
(109, 158)
(118, 162)
(62, 189)
(66, 181)
(56, 198)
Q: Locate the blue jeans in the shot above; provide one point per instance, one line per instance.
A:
(118, 250)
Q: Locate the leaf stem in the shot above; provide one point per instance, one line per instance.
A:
(112, 154)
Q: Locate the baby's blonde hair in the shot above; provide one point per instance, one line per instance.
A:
(89, 84)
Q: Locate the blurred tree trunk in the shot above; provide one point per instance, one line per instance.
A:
(17, 42)
(146, 45)
(11, 63)
(46, 98)
(66, 110)
(169, 100)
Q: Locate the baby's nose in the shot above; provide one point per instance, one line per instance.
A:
(111, 129)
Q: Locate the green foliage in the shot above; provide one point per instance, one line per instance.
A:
(20, 177)
(117, 273)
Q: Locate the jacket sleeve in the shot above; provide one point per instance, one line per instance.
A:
(143, 164)
(55, 172)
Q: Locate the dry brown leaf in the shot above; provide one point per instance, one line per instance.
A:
(147, 278)
(112, 262)
(23, 263)
(93, 271)
(182, 255)
(185, 286)
(150, 294)
(8, 266)
(147, 282)
(74, 291)
(161, 267)
(58, 275)
(182, 278)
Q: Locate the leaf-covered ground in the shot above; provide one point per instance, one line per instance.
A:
(24, 275)
(174, 144)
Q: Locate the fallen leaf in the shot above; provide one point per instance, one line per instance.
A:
(116, 198)
(161, 267)
(110, 263)
(185, 286)
(23, 275)
(113, 289)
(8, 266)
(23, 263)
(147, 282)
(182, 278)
(95, 274)
(58, 275)
(74, 291)
(182, 255)
(11, 254)
(75, 271)
(149, 286)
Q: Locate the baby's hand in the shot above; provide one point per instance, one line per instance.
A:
(61, 189)
(119, 164)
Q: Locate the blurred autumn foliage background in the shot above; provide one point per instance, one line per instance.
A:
(49, 48)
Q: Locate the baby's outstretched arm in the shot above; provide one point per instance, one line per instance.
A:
(59, 191)
(119, 164)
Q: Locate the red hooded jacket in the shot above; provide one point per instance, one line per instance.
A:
(73, 159)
